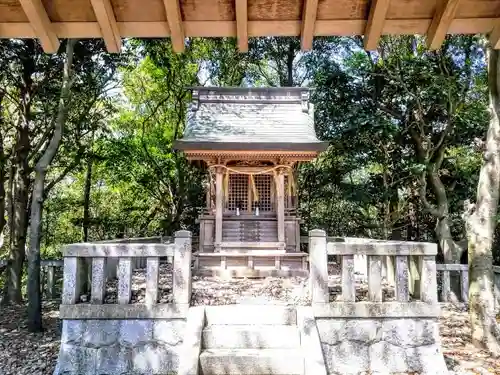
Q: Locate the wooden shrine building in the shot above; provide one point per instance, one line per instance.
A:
(251, 140)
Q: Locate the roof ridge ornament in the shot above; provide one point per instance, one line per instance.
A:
(304, 96)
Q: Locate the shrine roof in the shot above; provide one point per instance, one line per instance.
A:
(264, 119)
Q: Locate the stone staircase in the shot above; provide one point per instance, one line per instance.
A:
(251, 340)
(250, 231)
(250, 248)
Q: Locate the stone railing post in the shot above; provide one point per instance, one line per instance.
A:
(318, 267)
(72, 280)
(181, 283)
(98, 283)
(428, 279)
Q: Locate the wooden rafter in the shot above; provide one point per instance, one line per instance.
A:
(495, 36)
(174, 19)
(375, 24)
(242, 24)
(40, 22)
(107, 22)
(441, 22)
(208, 29)
(308, 23)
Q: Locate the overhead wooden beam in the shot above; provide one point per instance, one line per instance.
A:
(107, 22)
(441, 22)
(375, 24)
(242, 24)
(308, 23)
(174, 19)
(209, 29)
(495, 36)
(40, 22)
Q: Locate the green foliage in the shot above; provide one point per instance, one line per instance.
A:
(386, 115)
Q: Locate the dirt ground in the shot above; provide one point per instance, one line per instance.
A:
(24, 353)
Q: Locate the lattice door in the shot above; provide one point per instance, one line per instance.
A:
(238, 192)
(263, 184)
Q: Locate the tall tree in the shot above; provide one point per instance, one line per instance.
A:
(33, 251)
(482, 221)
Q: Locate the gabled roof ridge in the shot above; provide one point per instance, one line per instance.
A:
(253, 88)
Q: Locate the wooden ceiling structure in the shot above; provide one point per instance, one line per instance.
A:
(112, 20)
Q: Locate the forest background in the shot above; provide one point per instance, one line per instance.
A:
(406, 128)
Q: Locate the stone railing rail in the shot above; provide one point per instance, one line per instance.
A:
(421, 257)
(48, 267)
(125, 252)
(463, 270)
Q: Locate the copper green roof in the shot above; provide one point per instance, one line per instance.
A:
(270, 119)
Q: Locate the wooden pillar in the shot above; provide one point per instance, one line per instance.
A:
(280, 209)
(207, 197)
(249, 195)
(219, 201)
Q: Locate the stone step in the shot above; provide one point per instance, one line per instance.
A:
(248, 233)
(243, 314)
(256, 245)
(245, 252)
(249, 224)
(233, 239)
(251, 337)
(246, 230)
(252, 362)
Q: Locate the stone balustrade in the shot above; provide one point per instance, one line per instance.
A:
(414, 262)
(377, 335)
(446, 294)
(123, 337)
(121, 254)
(49, 268)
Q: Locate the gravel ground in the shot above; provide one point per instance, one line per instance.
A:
(220, 291)
(24, 353)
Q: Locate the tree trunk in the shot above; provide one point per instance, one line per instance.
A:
(3, 165)
(33, 253)
(19, 190)
(289, 63)
(451, 250)
(86, 199)
(481, 226)
(19, 183)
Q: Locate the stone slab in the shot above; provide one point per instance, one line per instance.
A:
(114, 359)
(169, 332)
(353, 346)
(191, 345)
(391, 248)
(376, 310)
(135, 332)
(249, 273)
(118, 250)
(74, 359)
(251, 337)
(252, 362)
(155, 359)
(159, 311)
(250, 314)
(112, 347)
(310, 342)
